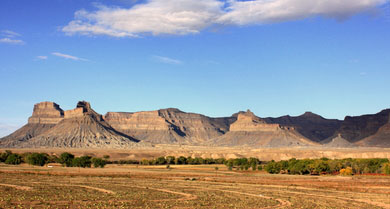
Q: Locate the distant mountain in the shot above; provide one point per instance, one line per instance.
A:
(250, 130)
(310, 125)
(81, 127)
(380, 139)
(357, 128)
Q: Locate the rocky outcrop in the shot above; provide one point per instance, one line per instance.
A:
(357, 128)
(310, 125)
(339, 142)
(167, 126)
(81, 127)
(46, 113)
(250, 130)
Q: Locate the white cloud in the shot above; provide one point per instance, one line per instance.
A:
(11, 41)
(42, 57)
(155, 17)
(67, 56)
(9, 34)
(269, 11)
(167, 60)
(181, 17)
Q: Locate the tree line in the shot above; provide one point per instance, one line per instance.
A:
(293, 166)
(346, 166)
(41, 159)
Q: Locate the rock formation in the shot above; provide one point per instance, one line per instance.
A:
(167, 126)
(250, 130)
(45, 116)
(380, 139)
(339, 142)
(81, 127)
(50, 126)
(310, 125)
(357, 128)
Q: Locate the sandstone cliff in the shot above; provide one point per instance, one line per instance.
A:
(250, 130)
(168, 126)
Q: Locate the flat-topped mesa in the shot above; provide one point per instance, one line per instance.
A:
(249, 122)
(46, 113)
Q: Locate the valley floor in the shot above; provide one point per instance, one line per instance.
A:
(183, 186)
(263, 154)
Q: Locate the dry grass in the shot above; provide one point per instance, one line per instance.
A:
(190, 186)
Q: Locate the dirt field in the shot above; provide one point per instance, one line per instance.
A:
(186, 186)
(263, 154)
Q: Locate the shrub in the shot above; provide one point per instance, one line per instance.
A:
(84, 161)
(66, 159)
(386, 168)
(346, 171)
(39, 159)
(4, 156)
(98, 162)
(13, 159)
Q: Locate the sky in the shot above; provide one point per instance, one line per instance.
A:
(214, 57)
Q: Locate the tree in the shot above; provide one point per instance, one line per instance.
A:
(170, 159)
(180, 160)
(4, 156)
(13, 159)
(66, 159)
(84, 161)
(161, 161)
(39, 159)
(98, 162)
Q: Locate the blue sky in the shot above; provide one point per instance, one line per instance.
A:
(211, 57)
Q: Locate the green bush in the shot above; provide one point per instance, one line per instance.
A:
(13, 159)
(39, 159)
(4, 156)
(66, 159)
(98, 162)
(84, 162)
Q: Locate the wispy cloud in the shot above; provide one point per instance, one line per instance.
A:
(180, 17)
(9, 37)
(9, 33)
(42, 57)
(67, 56)
(11, 41)
(167, 60)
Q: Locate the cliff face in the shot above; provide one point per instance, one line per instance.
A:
(310, 125)
(357, 128)
(50, 126)
(380, 139)
(168, 126)
(250, 130)
(81, 127)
